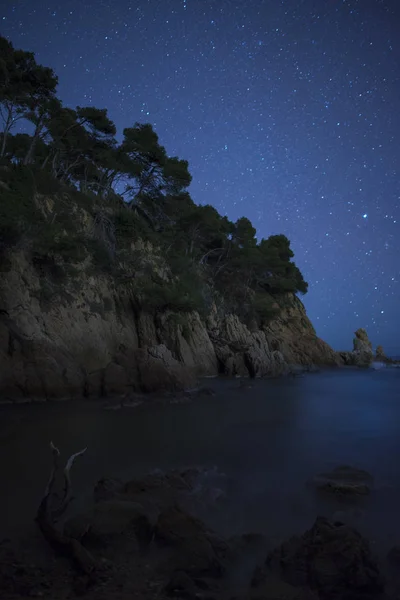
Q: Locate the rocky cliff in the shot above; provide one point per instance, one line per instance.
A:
(90, 340)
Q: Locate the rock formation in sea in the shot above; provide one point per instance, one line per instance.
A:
(362, 354)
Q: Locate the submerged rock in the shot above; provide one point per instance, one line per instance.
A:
(344, 480)
(106, 489)
(112, 518)
(198, 551)
(331, 559)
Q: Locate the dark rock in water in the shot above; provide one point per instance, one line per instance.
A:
(109, 519)
(344, 480)
(331, 559)
(198, 550)
(157, 481)
(362, 354)
(181, 586)
(106, 489)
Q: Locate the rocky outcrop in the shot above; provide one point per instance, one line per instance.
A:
(293, 334)
(288, 340)
(146, 540)
(362, 348)
(86, 338)
(242, 352)
(331, 560)
(362, 354)
(160, 371)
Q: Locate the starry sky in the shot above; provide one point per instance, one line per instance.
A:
(287, 111)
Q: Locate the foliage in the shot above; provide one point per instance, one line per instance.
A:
(264, 308)
(132, 190)
(18, 214)
(176, 295)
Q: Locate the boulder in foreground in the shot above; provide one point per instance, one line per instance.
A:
(330, 559)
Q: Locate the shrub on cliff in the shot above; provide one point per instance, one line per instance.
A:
(18, 213)
(265, 308)
(179, 295)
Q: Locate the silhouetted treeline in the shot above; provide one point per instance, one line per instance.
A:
(76, 151)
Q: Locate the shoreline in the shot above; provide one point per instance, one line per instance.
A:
(135, 398)
(147, 541)
(294, 372)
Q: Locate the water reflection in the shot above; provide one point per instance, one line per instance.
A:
(269, 439)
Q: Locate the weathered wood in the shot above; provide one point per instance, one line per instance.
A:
(46, 516)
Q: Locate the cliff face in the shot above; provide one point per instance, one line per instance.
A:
(91, 340)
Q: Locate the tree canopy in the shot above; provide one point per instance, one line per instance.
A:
(78, 148)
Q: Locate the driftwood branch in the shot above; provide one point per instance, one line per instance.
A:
(67, 497)
(46, 516)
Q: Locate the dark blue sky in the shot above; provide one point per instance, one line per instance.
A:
(288, 112)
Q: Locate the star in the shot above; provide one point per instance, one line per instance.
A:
(286, 111)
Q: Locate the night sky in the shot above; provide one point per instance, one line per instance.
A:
(287, 111)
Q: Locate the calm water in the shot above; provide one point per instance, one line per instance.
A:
(268, 440)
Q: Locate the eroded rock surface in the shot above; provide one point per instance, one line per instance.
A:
(92, 342)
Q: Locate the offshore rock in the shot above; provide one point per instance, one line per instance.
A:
(344, 480)
(362, 354)
(362, 348)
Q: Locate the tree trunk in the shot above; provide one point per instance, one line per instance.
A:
(46, 160)
(31, 149)
(6, 131)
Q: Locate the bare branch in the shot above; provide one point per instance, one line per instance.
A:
(56, 455)
(57, 512)
(45, 516)
(202, 259)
